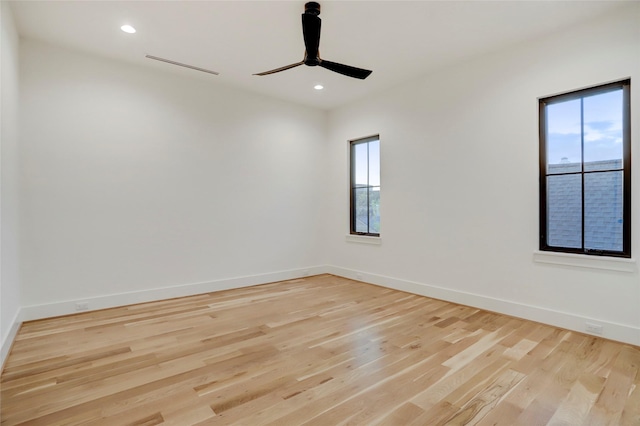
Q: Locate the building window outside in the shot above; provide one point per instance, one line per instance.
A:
(585, 171)
(365, 186)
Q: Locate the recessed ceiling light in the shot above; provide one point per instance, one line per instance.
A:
(128, 29)
(318, 87)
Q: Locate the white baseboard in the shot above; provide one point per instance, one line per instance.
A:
(614, 331)
(7, 342)
(67, 307)
(611, 330)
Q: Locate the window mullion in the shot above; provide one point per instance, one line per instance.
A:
(368, 191)
(582, 165)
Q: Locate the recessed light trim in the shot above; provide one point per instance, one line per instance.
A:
(128, 29)
(318, 87)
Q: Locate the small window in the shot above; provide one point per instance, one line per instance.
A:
(585, 171)
(365, 186)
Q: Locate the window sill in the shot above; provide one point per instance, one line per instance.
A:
(363, 239)
(585, 261)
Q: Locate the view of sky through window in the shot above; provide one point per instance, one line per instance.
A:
(367, 165)
(602, 129)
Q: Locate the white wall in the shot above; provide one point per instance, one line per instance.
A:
(459, 198)
(138, 181)
(139, 185)
(9, 198)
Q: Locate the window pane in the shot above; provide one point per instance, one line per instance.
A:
(564, 211)
(374, 210)
(365, 186)
(603, 211)
(603, 131)
(564, 146)
(361, 216)
(374, 163)
(360, 163)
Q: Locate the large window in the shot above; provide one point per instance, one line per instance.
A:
(365, 186)
(585, 171)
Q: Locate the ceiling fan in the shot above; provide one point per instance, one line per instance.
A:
(311, 31)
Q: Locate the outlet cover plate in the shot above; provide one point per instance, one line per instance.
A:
(593, 328)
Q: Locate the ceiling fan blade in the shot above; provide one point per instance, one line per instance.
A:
(311, 31)
(286, 67)
(345, 69)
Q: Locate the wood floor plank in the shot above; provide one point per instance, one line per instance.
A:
(613, 397)
(402, 415)
(583, 395)
(319, 350)
(486, 399)
(631, 412)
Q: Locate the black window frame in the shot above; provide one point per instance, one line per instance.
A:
(352, 185)
(625, 85)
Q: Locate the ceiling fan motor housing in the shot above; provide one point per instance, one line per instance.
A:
(312, 8)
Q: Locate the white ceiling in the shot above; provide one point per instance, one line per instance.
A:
(398, 40)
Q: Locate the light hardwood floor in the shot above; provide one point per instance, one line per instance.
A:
(318, 351)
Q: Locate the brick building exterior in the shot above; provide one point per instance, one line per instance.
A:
(602, 205)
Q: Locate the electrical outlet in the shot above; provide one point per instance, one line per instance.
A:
(82, 306)
(593, 328)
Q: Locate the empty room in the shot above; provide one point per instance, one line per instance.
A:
(320, 213)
